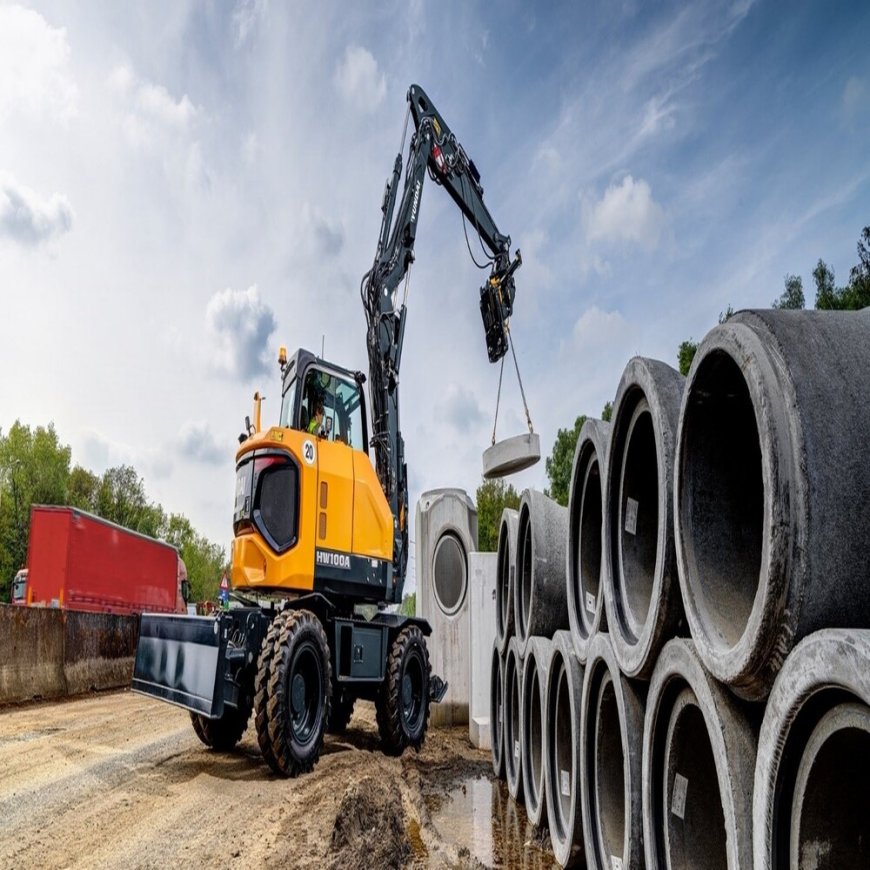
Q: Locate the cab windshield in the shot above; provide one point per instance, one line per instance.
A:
(332, 409)
(18, 586)
(287, 404)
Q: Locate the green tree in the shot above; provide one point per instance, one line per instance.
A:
(408, 607)
(121, 496)
(34, 469)
(792, 295)
(493, 496)
(84, 486)
(561, 460)
(685, 354)
(828, 298)
(204, 560)
(607, 412)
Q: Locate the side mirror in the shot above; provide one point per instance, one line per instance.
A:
(185, 590)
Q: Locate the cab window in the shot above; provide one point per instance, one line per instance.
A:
(287, 404)
(341, 407)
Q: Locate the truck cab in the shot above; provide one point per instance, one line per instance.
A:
(19, 587)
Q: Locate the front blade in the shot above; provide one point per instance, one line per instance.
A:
(177, 660)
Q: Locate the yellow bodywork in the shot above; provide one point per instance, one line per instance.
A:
(341, 508)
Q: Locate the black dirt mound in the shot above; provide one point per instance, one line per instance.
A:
(370, 828)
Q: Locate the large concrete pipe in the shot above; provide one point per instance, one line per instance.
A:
(810, 799)
(586, 556)
(533, 727)
(496, 711)
(611, 739)
(512, 695)
(698, 766)
(562, 779)
(505, 574)
(642, 593)
(772, 485)
(540, 607)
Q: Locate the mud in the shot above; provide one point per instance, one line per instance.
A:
(118, 780)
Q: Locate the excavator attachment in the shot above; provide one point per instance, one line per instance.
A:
(511, 455)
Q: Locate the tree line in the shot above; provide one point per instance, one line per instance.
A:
(494, 495)
(35, 468)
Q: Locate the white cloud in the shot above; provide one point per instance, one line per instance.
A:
(34, 66)
(241, 324)
(359, 80)
(596, 328)
(323, 237)
(29, 218)
(459, 407)
(246, 15)
(626, 213)
(196, 441)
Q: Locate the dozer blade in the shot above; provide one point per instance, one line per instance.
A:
(179, 659)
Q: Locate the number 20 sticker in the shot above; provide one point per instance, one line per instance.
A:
(308, 452)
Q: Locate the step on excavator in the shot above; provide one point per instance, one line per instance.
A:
(320, 544)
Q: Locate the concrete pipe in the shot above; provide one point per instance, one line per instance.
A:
(513, 687)
(540, 607)
(611, 733)
(810, 798)
(562, 779)
(505, 574)
(699, 746)
(641, 590)
(496, 712)
(585, 565)
(533, 726)
(772, 485)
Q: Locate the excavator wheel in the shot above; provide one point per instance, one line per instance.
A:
(261, 698)
(224, 733)
(342, 710)
(298, 693)
(402, 705)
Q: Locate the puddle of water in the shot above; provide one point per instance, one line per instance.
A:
(480, 815)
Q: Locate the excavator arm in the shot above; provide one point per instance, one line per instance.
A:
(434, 151)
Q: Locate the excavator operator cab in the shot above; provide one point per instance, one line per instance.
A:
(310, 384)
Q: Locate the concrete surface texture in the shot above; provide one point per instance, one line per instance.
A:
(587, 557)
(446, 535)
(533, 726)
(772, 486)
(513, 686)
(506, 570)
(511, 455)
(481, 626)
(496, 712)
(50, 652)
(540, 606)
(699, 744)
(641, 589)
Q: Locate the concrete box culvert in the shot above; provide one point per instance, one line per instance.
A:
(699, 747)
(512, 696)
(562, 780)
(641, 589)
(587, 554)
(496, 711)
(540, 606)
(771, 487)
(505, 574)
(533, 727)
(611, 740)
(809, 807)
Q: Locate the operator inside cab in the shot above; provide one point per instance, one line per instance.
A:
(330, 408)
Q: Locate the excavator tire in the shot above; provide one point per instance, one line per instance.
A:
(402, 705)
(261, 698)
(224, 733)
(339, 717)
(298, 693)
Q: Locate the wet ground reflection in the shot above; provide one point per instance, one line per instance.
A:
(480, 815)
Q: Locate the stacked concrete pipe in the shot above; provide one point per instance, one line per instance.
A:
(496, 712)
(533, 727)
(611, 740)
(512, 695)
(540, 607)
(505, 578)
(698, 768)
(562, 780)
(772, 486)
(586, 558)
(810, 797)
(642, 594)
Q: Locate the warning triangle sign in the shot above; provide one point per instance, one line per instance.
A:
(224, 584)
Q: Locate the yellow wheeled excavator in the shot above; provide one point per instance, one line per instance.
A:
(320, 543)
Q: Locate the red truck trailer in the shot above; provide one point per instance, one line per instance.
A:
(82, 562)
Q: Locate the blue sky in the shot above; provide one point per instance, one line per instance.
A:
(185, 186)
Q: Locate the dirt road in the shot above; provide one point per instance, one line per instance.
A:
(117, 780)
